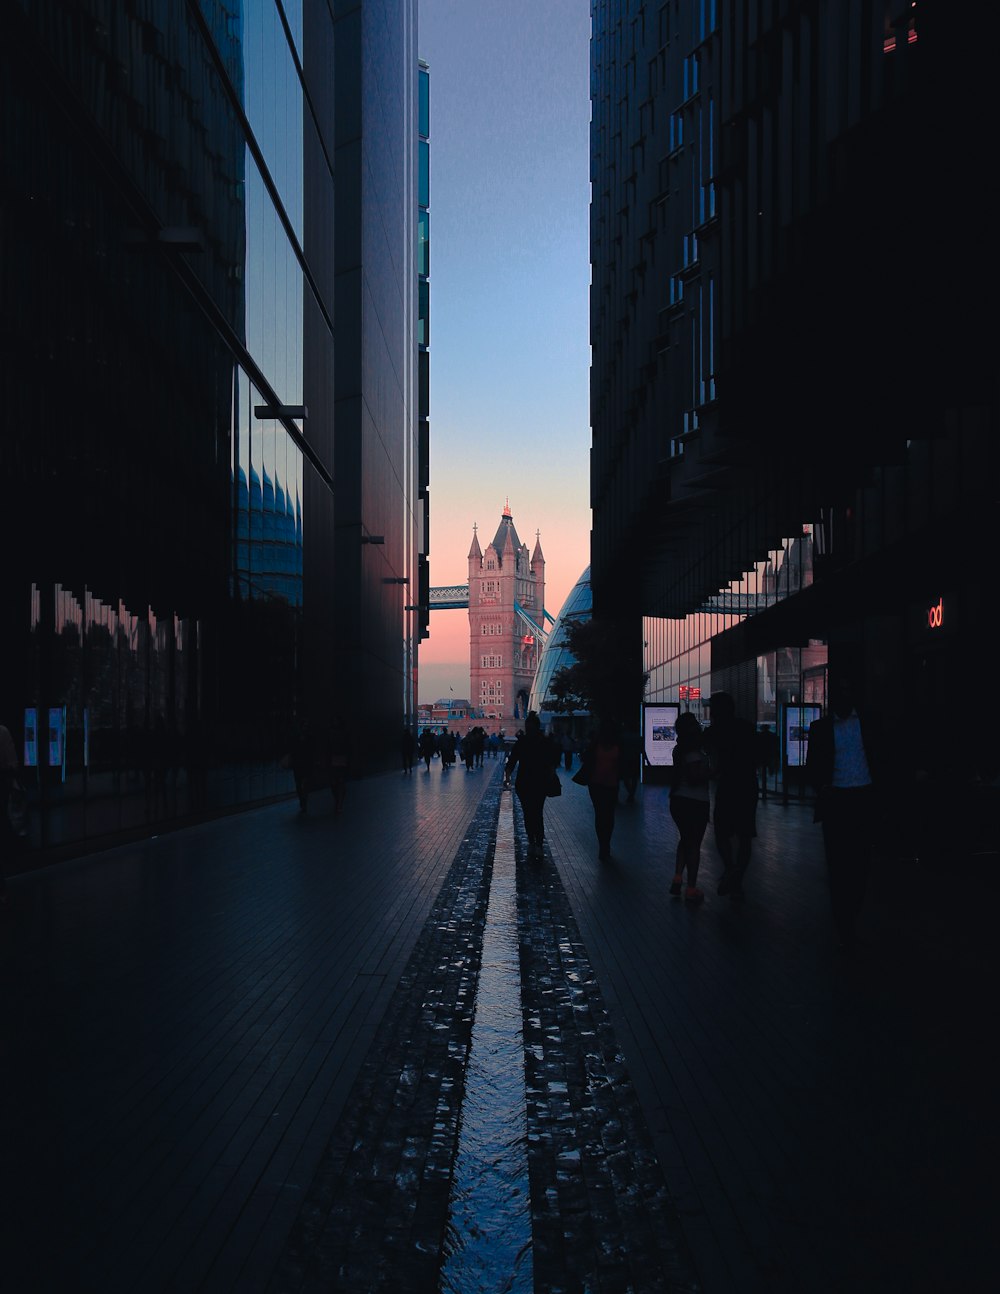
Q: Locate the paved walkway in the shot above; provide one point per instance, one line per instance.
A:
(193, 1026)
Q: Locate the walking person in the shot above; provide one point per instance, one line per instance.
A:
(535, 757)
(838, 767)
(407, 748)
(689, 805)
(567, 746)
(427, 747)
(731, 745)
(602, 769)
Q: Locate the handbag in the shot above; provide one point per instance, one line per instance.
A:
(554, 786)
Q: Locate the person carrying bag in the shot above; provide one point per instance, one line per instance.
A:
(535, 758)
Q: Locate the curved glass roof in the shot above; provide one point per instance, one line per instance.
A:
(579, 605)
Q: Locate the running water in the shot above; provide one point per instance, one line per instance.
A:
(488, 1245)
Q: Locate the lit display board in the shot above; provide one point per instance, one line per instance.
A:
(795, 732)
(659, 733)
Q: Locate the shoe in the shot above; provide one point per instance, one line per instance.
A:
(675, 885)
(693, 895)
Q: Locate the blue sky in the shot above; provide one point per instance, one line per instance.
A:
(510, 276)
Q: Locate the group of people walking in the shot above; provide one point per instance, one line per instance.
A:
(713, 778)
(473, 748)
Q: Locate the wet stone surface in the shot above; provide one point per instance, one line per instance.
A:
(602, 1218)
(375, 1215)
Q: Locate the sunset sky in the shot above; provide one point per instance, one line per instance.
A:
(510, 276)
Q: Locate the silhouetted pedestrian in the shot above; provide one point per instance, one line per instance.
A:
(568, 746)
(535, 757)
(602, 768)
(407, 748)
(689, 804)
(428, 747)
(732, 749)
(838, 767)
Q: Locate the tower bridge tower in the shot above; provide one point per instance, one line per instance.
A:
(506, 621)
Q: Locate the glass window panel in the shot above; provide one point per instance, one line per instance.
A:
(293, 15)
(272, 94)
(273, 294)
(425, 103)
(424, 193)
(423, 321)
(424, 243)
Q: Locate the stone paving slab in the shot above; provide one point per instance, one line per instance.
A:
(376, 1213)
(824, 1124)
(183, 1021)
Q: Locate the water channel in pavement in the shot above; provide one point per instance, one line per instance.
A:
(488, 1245)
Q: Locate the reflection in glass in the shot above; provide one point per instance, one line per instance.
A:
(273, 294)
(267, 493)
(273, 102)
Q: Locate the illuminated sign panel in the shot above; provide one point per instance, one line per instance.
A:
(659, 733)
(795, 732)
(934, 620)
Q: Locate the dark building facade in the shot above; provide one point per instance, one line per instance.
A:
(189, 302)
(790, 372)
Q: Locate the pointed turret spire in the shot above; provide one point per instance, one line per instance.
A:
(475, 550)
(537, 555)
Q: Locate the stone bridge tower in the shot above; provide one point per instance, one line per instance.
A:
(506, 611)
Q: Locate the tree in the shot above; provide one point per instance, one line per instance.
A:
(606, 677)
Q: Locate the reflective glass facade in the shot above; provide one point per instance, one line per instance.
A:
(167, 299)
(779, 387)
(555, 655)
(421, 601)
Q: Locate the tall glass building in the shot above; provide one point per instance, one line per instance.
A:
(208, 300)
(556, 654)
(794, 415)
